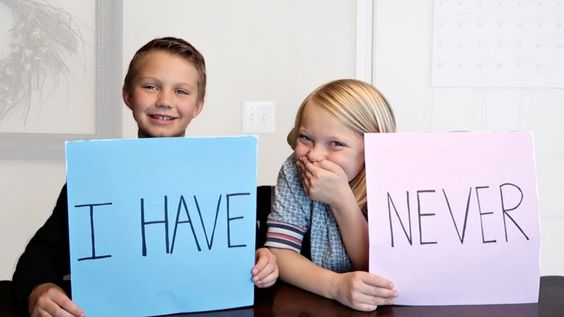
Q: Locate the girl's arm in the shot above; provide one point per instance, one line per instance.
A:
(358, 290)
(353, 227)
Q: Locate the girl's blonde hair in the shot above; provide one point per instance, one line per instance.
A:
(357, 105)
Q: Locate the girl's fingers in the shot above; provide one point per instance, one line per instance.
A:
(372, 301)
(377, 281)
(263, 272)
(268, 280)
(381, 293)
(379, 287)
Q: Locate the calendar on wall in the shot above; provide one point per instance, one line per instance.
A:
(498, 43)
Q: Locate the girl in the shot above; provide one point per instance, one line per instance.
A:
(319, 206)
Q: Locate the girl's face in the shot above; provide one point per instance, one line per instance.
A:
(164, 95)
(322, 137)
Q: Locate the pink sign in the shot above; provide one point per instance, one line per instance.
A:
(454, 217)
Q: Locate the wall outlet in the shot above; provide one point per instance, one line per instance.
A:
(258, 116)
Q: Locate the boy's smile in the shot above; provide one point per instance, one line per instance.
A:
(164, 95)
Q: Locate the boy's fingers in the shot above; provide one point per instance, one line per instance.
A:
(52, 309)
(66, 304)
(52, 301)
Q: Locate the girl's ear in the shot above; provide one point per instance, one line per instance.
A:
(126, 98)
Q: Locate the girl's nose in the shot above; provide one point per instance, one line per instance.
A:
(316, 154)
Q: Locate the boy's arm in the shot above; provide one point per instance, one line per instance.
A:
(49, 299)
(358, 290)
(46, 257)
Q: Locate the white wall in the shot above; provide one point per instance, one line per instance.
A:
(28, 193)
(255, 50)
(280, 51)
(402, 70)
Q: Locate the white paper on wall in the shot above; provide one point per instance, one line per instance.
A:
(496, 43)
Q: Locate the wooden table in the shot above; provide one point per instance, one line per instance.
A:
(283, 300)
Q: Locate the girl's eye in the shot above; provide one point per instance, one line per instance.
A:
(336, 144)
(304, 138)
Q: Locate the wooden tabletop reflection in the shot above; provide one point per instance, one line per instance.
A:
(283, 300)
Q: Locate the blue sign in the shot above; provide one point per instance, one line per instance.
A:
(163, 225)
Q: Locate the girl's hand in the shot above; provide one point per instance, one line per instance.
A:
(328, 183)
(363, 291)
(265, 271)
(323, 181)
(50, 300)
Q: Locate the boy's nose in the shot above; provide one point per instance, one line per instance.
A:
(164, 101)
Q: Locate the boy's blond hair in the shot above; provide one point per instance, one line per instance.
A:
(173, 46)
(357, 105)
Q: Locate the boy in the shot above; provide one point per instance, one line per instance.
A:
(165, 88)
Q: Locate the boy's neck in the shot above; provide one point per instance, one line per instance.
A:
(142, 135)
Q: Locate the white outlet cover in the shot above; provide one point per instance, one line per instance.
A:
(258, 117)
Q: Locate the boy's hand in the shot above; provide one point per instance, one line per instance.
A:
(323, 181)
(50, 300)
(363, 291)
(265, 271)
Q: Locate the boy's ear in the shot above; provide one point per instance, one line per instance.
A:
(199, 108)
(126, 97)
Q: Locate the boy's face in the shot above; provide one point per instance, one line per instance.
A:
(164, 95)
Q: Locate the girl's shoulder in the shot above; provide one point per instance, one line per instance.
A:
(289, 168)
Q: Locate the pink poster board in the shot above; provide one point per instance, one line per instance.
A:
(454, 217)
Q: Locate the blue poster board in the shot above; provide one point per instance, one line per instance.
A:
(161, 226)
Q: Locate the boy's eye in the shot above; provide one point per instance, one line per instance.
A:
(182, 92)
(150, 87)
